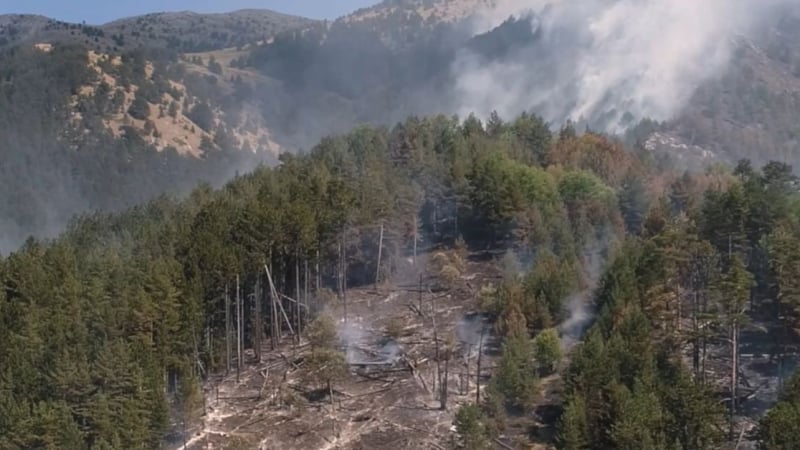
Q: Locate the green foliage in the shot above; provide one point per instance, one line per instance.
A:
(516, 378)
(326, 366)
(202, 115)
(139, 109)
(626, 390)
(573, 425)
(214, 66)
(472, 432)
(504, 192)
(633, 203)
(546, 287)
(321, 333)
(547, 350)
(778, 428)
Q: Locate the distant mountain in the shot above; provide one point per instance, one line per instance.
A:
(751, 111)
(177, 31)
(404, 57)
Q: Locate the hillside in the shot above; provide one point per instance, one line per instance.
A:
(399, 58)
(98, 131)
(176, 31)
(427, 10)
(749, 111)
(265, 83)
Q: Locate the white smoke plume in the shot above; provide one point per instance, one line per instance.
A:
(361, 346)
(580, 310)
(605, 62)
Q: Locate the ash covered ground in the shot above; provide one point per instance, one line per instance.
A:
(389, 400)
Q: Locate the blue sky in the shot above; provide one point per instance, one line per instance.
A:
(101, 11)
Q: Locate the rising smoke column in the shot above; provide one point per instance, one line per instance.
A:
(607, 62)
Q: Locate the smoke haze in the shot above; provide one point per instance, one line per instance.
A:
(605, 62)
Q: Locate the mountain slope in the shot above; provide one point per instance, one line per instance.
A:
(405, 57)
(177, 31)
(294, 81)
(751, 110)
(83, 131)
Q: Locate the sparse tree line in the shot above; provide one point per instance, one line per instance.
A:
(107, 331)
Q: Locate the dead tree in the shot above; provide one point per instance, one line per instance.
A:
(227, 331)
(438, 377)
(276, 300)
(298, 322)
(275, 326)
(305, 285)
(444, 382)
(420, 294)
(478, 369)
(416, 238)
(257, 324)
(378, 265)
(466, 360)
(344, 276)
(238, 331)
(210, 348)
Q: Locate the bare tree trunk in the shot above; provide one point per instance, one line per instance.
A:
(478, 370)
(455, 219)
(734, 370)
(305, 286)
(680, 311)
(443, 384)
(420, 293)
(297, 292)
(704, 337)
(416, 238)
(696, 336)
(469, 350)
(339, 270)
(238, 331)
(280, 304)
(227, 331)
(436, 342)
(273, 317)
(344, 273)
(380, 251)
(257, 325)
(210, 349)
(435, 218)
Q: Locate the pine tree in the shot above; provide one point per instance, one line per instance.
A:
(547, 350)
(734, 296)
(574, 427)
(471, 429)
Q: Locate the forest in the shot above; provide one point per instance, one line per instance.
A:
(108, 331)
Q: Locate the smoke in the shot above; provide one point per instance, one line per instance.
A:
(607, 63)
(352, 337)
(361, 347)
(470, 328)
(578, 321)
(580, 310)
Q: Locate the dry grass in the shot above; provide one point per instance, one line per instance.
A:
(179, 132)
